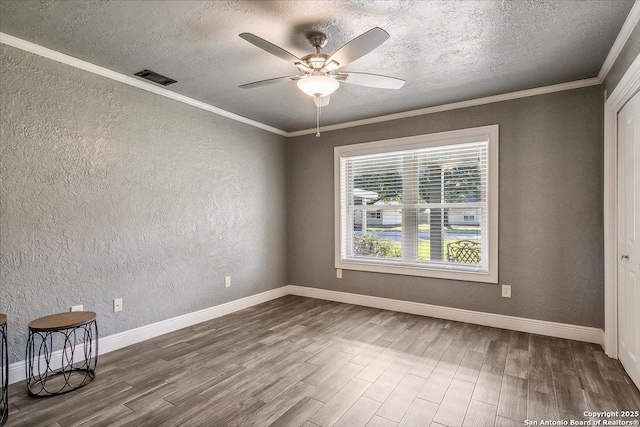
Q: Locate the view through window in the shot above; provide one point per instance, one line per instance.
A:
(422, 206)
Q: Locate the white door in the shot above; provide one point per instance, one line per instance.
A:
(629, 237)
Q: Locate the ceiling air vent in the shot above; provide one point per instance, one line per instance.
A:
(156, 78)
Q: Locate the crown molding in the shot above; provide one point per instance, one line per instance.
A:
(456, 105)
(132, 81)
(626, 30)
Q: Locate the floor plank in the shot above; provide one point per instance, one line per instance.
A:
(438, 382)
(513, 398)
(497, 354)
(420, 413)
(480, 414)
(488, 385)
(424, 366)
(298, 413)
(517, 363)
(329, 387)
(400, 399)
(377, 421)
(470, 366)
(541, 406)
(359, 414)
(387, 382)
(506, 422)
(378, 365)
(539, 373)
(340, 403)
(455, 403)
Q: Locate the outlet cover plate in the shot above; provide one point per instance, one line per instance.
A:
(76, 308)
(117, 305)
(506, 291)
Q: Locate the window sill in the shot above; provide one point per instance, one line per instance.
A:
(404, 270)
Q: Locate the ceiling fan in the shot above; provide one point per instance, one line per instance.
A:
(320, 73)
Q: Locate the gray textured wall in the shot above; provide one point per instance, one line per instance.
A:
(551, 233)
(108, 191)
(627, 55)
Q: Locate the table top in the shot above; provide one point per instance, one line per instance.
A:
(3, 319)
(62, 321)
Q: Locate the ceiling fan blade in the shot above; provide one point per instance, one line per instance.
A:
(359, 46)
(270, 47)
(269, 81)
(372, 80)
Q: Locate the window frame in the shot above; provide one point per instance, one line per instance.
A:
(462, 136)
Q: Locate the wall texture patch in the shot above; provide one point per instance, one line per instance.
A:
(108, 191)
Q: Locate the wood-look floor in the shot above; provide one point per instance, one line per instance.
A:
(306, 362)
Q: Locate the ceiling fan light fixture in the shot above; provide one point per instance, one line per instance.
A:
(318, 85)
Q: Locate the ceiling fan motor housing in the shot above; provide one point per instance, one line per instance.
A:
(317, 40)
(316, 60)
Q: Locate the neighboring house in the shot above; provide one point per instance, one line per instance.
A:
(393, 217)
(389, 217)
(464, 216)
(376, 217)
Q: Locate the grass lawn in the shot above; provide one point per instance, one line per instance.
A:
(385, 241)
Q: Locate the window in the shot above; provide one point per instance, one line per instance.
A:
(425, 205)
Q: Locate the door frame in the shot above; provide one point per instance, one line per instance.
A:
(626, 88)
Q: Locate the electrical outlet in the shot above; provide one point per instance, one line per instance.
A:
(117, 305)
(76, 308)
(506, 291)
(339, 273)
(227, 281)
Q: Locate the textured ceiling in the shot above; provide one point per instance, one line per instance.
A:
(447, 51)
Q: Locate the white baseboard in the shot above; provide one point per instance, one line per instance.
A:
(133, 336)
(540, 327)
(123, 339)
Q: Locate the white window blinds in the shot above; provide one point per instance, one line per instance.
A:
(420, 206)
